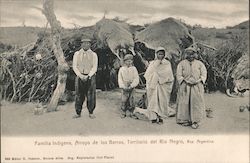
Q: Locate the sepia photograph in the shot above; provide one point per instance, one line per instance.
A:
(138, 73)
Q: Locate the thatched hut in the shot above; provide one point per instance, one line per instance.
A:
(71, 40)
(242, 69)
(113, 35)
(112, 39)
(168, 33)
(241, 74)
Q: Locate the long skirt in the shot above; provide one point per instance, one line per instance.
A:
(190, 103)
(158, 100)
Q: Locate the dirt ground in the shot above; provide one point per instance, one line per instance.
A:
(19, 119)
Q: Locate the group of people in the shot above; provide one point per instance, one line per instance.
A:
(191, 76)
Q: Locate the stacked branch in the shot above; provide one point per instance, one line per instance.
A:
(27, 78)
(38, 72)
(222, 62)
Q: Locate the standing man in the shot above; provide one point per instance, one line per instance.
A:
(85, 63)
(191, 75)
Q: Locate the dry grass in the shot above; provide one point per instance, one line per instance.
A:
(19, 36)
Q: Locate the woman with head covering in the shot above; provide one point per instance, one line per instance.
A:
(159, 82)
(191, 76)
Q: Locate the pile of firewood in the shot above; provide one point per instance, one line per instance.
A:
(222, 62)
(27, 78)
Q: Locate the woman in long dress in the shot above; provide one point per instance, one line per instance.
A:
(159, 82)
(191, 76)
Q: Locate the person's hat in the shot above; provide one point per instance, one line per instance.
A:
(128, 57)
(160, 49)
(167, 54)
(190, 49)
(85, 40)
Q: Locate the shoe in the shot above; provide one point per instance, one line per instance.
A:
(171, 115)
(129, 114)
(140, 116)
(195, 125)
(186, 124)
(160, 122)
(76, 116)
(209, 113)
(134, 116)
(92, 116)
(123, 115)
(242, 108)
(154, 121)
(62, 102)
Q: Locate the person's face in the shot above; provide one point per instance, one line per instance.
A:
(191, 56)
(160, 55)
(85, 45)
(128, 62)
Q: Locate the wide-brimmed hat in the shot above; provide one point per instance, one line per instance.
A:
(128, 57)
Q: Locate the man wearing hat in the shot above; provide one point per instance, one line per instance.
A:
(191, 76)
(128, 79)
(85, 63)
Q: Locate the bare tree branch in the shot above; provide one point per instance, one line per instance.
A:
(48, 11)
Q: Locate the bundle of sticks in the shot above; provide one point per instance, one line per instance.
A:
(27, 78)
(222, 62)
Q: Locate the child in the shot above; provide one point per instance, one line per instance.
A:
(128, 79)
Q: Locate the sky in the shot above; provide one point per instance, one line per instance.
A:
(71, 13)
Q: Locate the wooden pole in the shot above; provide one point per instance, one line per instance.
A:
(48, 11)
(207, 46)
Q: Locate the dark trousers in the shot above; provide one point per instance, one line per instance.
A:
(84, 90)
(127, 101)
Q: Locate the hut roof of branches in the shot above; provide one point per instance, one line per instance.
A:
(168, 33)
(242, 69)
(71, 40)
(84, 32)
(114, 35)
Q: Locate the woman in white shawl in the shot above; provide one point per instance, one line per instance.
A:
(159, 82)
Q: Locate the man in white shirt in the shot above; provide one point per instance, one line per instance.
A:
(85, 63)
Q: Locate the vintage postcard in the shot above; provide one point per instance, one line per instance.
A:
(124, 81)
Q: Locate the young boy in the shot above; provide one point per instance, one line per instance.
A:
(128, 79)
